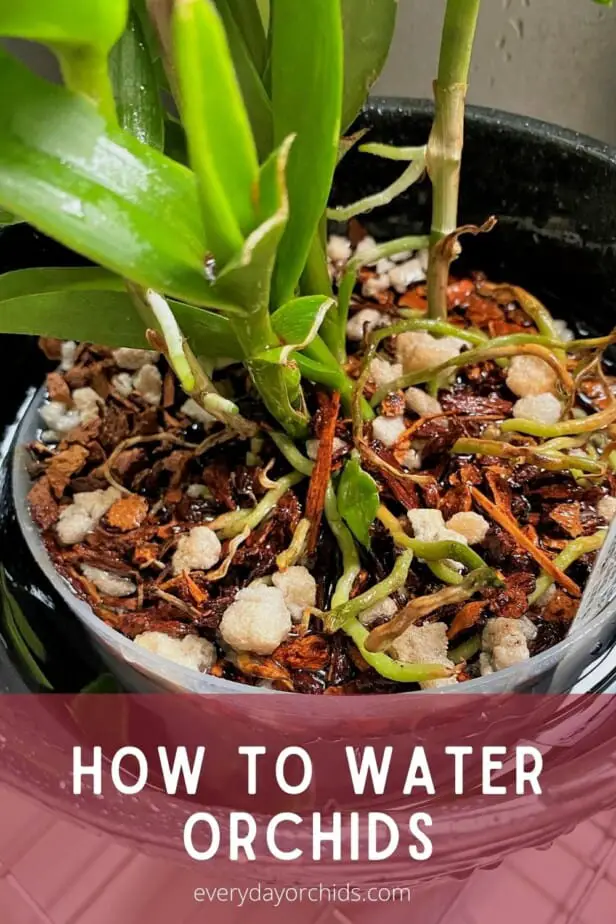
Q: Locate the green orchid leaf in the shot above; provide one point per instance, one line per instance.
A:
(348, 142)
(95, 315)
(81, 36)
(148, 27)
(297, 325)
(358, 500)
(155, 16)
(26, 282)
(25, 629)
(249, 22)
(247, 278)
(299, 320)
(97, 23)
(25, 643)
(152, 41)
(104, 684)
(98, 190)
(306, 76)
(278, 386)
(368, 30)
(7, 218)
(135, 87)
(298, 328)
(264, 12)
(256, 100)
(109, 317)
(208, 333)
(220, 142)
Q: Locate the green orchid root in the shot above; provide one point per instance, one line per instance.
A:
(387, 667)
(429, 551)
(437, 328)
(390, 667)
(444, 573)
(165, 334)
(291, 453)
(232, 524)
(570, 554)
(317, 364)
(594, 422)
(466, 650)
(407, 178)
(347, 283)
(350, 558)
(337, 617)
(296, 549)
(531, 306)
(384, 636)
(471, 357)
(549, 459)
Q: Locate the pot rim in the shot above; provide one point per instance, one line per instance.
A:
(488, 116)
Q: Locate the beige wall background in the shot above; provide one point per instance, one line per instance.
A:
(552, 59)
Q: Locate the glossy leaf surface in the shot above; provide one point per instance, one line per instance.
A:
(96, 189)
(100, 315)
(295, 321)
(256, 100)
(307, 75)
(135, 87)
(97, 23)
(368, 31)
(246, 280)
(26, 282)
(250, 24)
(358, 500)
(220, 142)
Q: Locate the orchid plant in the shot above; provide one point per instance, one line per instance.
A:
(207, 231)
(226, 256)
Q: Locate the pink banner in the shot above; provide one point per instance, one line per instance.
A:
(254, 804)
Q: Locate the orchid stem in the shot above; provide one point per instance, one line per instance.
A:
(444, 155)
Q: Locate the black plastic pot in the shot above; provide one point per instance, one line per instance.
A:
(554, 194)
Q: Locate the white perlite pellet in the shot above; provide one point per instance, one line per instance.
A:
(388, 430)
(530, 375)
(191, 651)
(113, 585)
(198, 550)
(258, 620)
(544, 408)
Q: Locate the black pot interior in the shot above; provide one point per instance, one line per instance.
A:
(554, 194)
(552, 191)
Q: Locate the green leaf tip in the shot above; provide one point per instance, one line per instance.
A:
(358, 500)
(221, 145)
